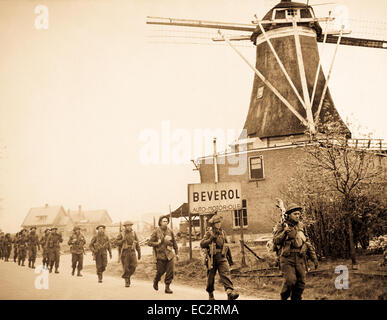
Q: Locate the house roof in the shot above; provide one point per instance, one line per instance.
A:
(91, 216)
(43, 216)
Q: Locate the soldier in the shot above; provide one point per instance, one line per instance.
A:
(7, 246)
(43, 244)
(15, 246)
(53, 247)
(33, 246)
(128, 242)
(76, 243)
(98, 246)
(294, 246)
(22, 247)
(163, 242)
(218, 258)
(2, 245)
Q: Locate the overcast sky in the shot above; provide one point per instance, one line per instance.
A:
(78, 100)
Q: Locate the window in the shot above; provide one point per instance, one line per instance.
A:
(240, 216)
(290, 13)
(260, 92)
(256, 168)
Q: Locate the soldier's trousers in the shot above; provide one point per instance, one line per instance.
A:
(7, 252)
(45, 260)
(220, 265)
(77, 261)
(129, 263)
(15, 253)
(22, 253)
(54, 257)
(167, 267)
(32, 253)
(293, 268)
(100, 262)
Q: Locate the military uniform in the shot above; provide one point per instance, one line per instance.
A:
(22, 247)
(221, 258)
(53, 247)
(294, 246)
(15, 247)
(43, 244)
(33, 246)
(163, 241)
(99, 245)
(7, 246)
(2, 245)
(128, 242)
(76, 243)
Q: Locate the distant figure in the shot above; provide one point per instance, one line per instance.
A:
(294, 245)
(15, 247)
(163, 241)
(7, 246)
(77, 242)
(2, 245)
(53, 246)
(33, 245)
(99, 246)
(128, 242)
(218, 258)
(43, 244)
(22, 247)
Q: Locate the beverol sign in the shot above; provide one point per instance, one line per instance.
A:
(211, 197)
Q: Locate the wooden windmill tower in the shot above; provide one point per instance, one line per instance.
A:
(290, 92)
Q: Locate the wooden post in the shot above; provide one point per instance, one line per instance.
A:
(154, 222)
(190, 236)
(170, 217)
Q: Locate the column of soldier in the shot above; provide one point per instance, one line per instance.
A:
(289, 239)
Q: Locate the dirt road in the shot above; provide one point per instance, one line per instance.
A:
(18, 282)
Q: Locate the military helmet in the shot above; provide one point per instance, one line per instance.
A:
(32, 228)
(292, 208)
(76, 228)
(128, 223)
(47, 229)
(162, 217)
(215, 219)
(100, 226)
(54, 228)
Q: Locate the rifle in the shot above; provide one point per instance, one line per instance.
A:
(210, 255)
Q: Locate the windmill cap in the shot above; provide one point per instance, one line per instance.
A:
(293, 207)
(128, 223)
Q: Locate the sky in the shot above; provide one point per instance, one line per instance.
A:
(94, 109)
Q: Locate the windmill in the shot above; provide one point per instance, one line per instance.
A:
(290, 91)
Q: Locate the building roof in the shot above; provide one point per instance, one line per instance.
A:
(90, 216)
(43, 216)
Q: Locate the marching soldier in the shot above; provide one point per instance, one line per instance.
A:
(294, 246)
(98, 246)
(43, 244)
(33, 246)
(76, 243)
(218, 258)
(163, 241)
(128, 242)
(15, 246)
(2, 245)
(53, 246)
(7, 246)
(22, 247)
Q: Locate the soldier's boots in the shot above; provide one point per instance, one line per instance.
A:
(56, 270)
(29, 263)
(232, 294)
(127, 282)
(79, 274)
(168, 289)
(18, 262)
(100, 277)
(155, 285)
(211, 296)
(33, 265)
(73, 272)
(22, 263)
